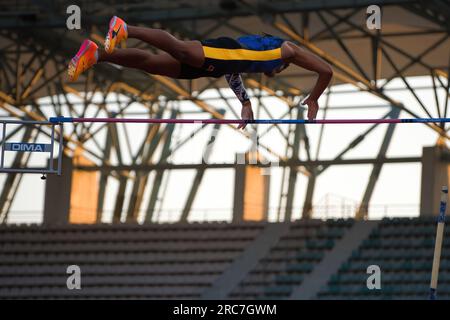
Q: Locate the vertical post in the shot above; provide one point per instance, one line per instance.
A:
(52, 143)
(61, 147)
(438, 243)
(3, 144)
(239, 188)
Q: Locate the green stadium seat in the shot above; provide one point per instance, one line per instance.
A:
(289, 278)
(277, 290)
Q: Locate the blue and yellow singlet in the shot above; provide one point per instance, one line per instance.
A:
(247, 54)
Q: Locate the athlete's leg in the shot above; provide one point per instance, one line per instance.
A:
(160, 64)
(89, 54)
(189, 52)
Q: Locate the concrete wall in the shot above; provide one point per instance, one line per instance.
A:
(435, 174)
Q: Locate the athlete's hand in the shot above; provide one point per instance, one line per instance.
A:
(246, 114)
(313, 107)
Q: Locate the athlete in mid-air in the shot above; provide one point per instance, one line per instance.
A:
(208, 58)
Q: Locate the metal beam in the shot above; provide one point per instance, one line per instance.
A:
(292, 182)
(104, 176)
(347, 74)
(156, 185)
(154, 138)
(13, 179)
(148, 13)
(363, 210)
(199, 175)
(289, 163)
(308, 204)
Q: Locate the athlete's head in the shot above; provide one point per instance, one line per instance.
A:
(276, 70)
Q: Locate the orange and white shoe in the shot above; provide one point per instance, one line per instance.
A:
(85, 58)
(117, 33)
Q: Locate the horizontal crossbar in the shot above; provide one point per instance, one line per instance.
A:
(256, 121)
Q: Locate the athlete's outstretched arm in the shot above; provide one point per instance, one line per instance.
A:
(237, 85)
(309, 61)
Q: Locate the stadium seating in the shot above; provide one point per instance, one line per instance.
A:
(119, 261)
(292, 259)
(182, 261)
(403, 249)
